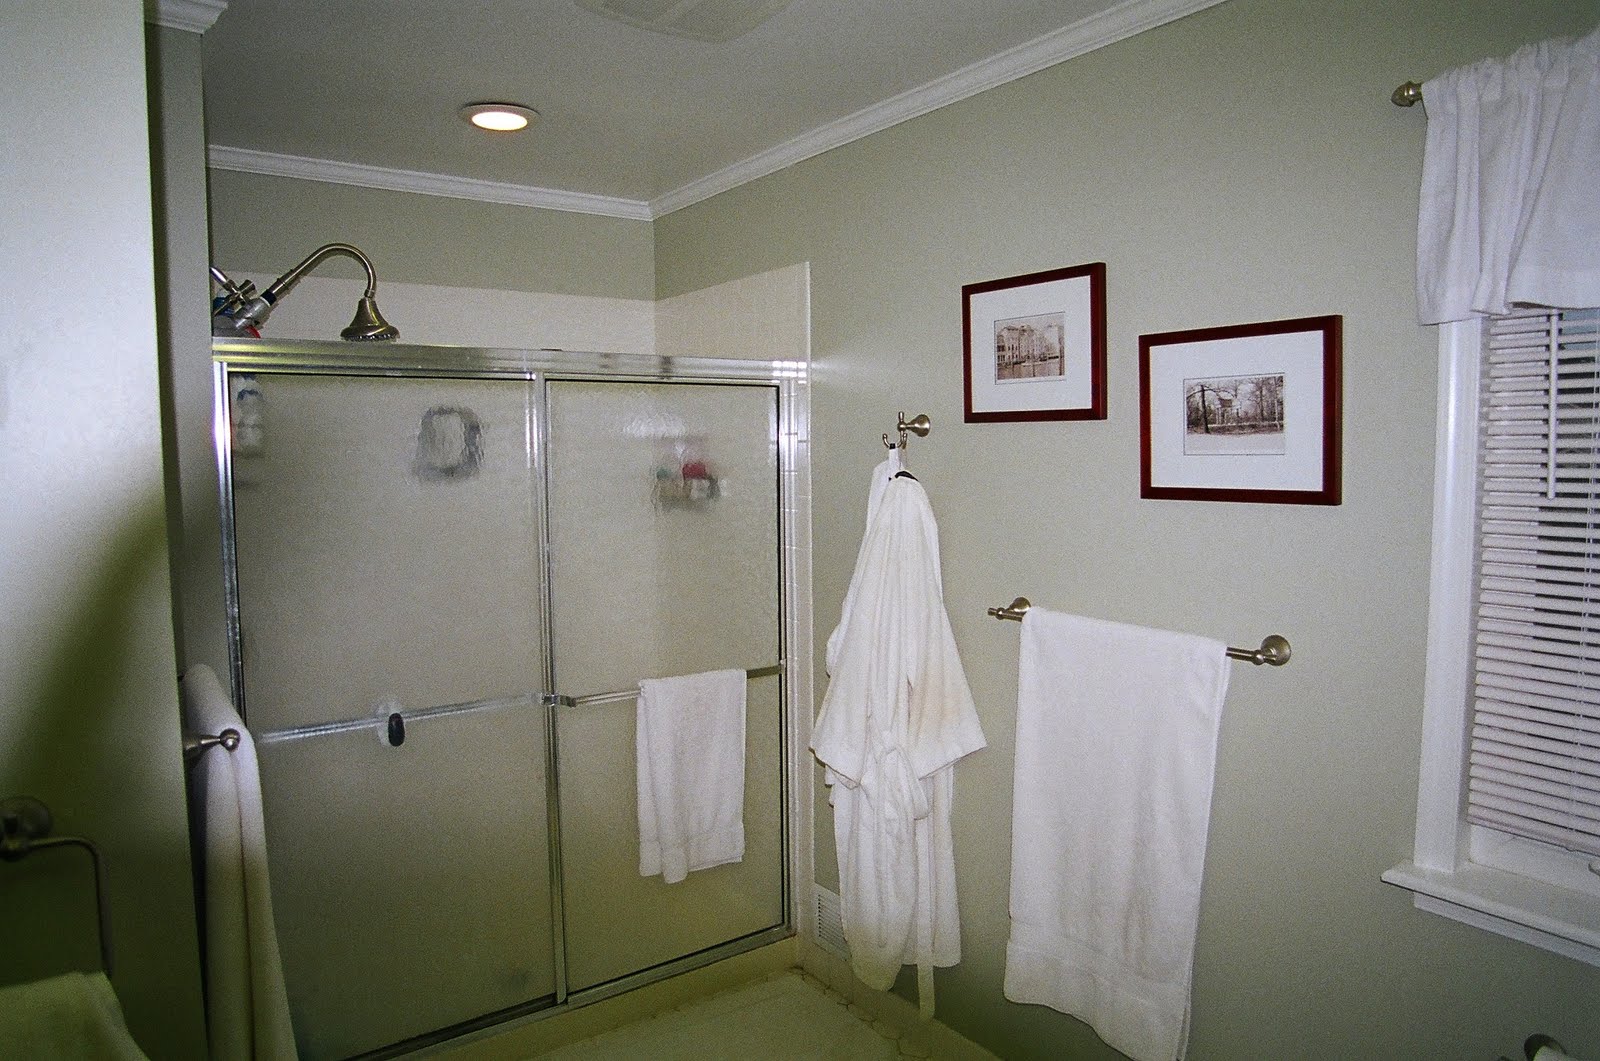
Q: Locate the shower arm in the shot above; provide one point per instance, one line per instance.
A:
(285, 283)
(244, 310)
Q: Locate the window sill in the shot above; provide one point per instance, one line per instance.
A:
(1556, 919)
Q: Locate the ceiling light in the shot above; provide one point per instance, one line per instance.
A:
(499, 117)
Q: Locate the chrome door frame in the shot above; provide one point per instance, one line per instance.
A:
(537, 368)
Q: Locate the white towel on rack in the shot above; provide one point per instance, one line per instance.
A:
(689, 750)
(65, 1018)
(1116, 750)
(247, 1008)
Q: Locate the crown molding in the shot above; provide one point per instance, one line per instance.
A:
(244, 160)
(195, 16)
(1108, 27)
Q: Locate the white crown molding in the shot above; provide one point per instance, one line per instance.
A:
(244, 160)
(195, 16)
(1108, 27)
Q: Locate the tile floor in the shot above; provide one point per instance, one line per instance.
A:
(786, 1017)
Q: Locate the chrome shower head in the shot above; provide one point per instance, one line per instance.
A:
(369, 325)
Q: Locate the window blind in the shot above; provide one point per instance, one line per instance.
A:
(1534, 767)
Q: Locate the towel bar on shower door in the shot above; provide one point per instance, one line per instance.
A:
(594, 699)
(1274, 649)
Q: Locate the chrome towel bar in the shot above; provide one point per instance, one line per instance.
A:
(1274, 649)
(593, 699)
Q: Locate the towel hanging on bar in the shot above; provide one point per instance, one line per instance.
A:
(1274, 649)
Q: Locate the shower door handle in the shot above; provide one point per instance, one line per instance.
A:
(557, 700)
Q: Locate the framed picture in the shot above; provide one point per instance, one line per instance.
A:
(1244, 413)
(1034, 346)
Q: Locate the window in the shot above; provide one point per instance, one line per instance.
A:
(1508, 816)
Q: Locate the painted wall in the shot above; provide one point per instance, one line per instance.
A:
(88, 695)
(1242, 164)
(267, 224)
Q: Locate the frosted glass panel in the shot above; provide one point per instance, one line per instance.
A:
(619, 922)
(653, 575)
(388, 562)
(410, 883)
(387, 544)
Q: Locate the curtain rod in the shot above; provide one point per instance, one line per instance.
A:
(1407, 95)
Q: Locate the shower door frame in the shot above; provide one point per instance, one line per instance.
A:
(537, 368)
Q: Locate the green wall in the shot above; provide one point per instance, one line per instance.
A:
(267, 224)
(88, 680)
(1242, 164)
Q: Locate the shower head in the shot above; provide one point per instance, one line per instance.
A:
(240, 311)
(369, 325)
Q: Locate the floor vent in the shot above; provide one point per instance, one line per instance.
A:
(829, 922)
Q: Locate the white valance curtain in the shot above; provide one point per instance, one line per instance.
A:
(1510, 207)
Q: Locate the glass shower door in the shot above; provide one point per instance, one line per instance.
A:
(664, 560)
(389, 590)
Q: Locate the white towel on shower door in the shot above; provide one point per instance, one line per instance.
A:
(247, 1008)
(1116, 751)
(689, 750)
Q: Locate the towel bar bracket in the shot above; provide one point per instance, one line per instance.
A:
(196, 746)
(23, 822)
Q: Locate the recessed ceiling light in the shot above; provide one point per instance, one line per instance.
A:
(499, 117)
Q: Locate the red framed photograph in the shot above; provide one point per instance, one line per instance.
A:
(1034, 346)
(1249, 412)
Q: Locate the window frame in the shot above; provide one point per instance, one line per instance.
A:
(1459, 870)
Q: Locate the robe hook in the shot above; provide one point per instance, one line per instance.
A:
(918, 425)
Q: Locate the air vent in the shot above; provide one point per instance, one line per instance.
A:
(829, 923)
(701, 20)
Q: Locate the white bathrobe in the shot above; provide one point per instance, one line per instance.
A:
(896, 717)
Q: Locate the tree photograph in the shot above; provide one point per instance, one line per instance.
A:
(1240, 415)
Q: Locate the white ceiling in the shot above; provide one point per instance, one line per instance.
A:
(634, 122)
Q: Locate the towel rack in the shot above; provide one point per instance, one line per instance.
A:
(1274, 648)
(197, 744)
(25, 829)
(918, 425)
(595, 699)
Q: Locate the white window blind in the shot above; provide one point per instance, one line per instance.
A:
(1534, 766)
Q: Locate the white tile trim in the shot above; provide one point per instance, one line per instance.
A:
(1108, 27)
(195, 16)
(244, 160)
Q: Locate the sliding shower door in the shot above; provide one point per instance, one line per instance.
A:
(390, 606)
(450, 569)
(664, 561)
